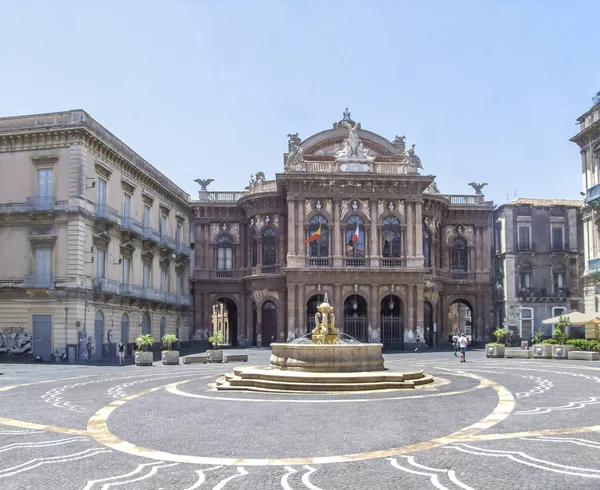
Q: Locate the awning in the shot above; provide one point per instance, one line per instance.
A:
(576, 318)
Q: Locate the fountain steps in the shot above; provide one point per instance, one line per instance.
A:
(253, 379)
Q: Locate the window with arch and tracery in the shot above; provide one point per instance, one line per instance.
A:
(355, 237)
(390, 237)
(318, 247)
(224, 253)
(459, 255)
(269, 247)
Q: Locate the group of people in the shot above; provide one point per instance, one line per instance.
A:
(460, 345)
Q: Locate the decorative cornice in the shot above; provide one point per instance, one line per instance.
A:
(44, 160)
(127, 185)
(102, 169)
(164, 209)
(147, 198)
(42, 240)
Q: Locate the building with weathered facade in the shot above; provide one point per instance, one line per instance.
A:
(351, 215)
(95, 241)
(538, 262)
(588, 140)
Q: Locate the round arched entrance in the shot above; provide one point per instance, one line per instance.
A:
(224, 319)
(391, 325)
(311, 310)
(269, 323)
(356, 323)
(460, 319)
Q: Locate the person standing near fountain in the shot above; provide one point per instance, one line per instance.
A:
(462, 345)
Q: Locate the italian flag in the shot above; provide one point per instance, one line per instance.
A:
(315, 236)
(355, 236)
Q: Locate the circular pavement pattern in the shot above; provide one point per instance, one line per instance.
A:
(487, 423)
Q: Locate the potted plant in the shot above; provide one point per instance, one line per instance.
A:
(541, 348)
(584, 350)
(560, 350)
(496, 349)
(168, 355)
(215, 355)
(142, 356)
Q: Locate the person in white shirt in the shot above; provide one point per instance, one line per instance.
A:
(462, 345)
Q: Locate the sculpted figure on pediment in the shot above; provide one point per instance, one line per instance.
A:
(215, 229)
(307, 208)
(328, 206)
(401, 208)
(260, 222)
(364, 207)
(234, 231)
(380, 207)
(450, 233)
(468, 234)
(344, 208)
(276, 221)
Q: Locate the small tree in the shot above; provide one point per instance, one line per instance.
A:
(143, 342)
(216, 339)
(559, 331)
(168, 340)
(500, 335)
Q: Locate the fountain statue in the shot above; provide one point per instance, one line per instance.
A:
(325, 331)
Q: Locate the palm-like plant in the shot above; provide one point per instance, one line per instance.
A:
(216, 339)
(142, 341)
(168, 340)
(500, 335)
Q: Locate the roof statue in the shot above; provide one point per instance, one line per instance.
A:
(204, 183)
(294, 159)
(352, 148)
(412, 159)
(293, 140)
(477, 187)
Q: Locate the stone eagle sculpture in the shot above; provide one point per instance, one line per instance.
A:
(477, 187)
(204, 183)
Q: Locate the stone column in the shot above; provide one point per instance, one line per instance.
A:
(291, 310)
(419, 229)
(291, 231)
(259, 338)
(248, 307)
(300, 246)
(374, 249)
(300, 311)
(410, 232)
(209, 261)
(337, 236)
(373, 314)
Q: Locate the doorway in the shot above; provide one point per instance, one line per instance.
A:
(42, 336)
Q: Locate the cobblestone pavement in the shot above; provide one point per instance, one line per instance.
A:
(486, 424)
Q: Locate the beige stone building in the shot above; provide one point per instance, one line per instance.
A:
(95, 241)
(394, 255)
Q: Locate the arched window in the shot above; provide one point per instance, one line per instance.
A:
(163, 327)
(224, 253)
(355, 237)
(269, 247)
(320, 246)
(390, 237)
(459, 255)
(426, 247)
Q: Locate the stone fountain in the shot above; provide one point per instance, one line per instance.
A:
(324, 360)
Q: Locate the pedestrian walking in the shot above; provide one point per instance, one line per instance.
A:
(462, 345)
(455, 343)
(121, 353)
(418, 343)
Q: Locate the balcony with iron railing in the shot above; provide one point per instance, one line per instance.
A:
(38, 281)
(106, 213)
(317, 262)
(391, 263)
(355, 262)
(183, 300)
(171, 298)
(131, 225)
(41, 203)
(534, 294)
(150, 234)
(183, 249)
(130, 290)
(168, 242)
(101, 284)
(153, 294)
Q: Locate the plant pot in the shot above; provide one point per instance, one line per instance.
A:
(561, 351)
(215, 355)
(144, 358)
(582, 355)
(542, 351)
(170, 357)
(494, 350)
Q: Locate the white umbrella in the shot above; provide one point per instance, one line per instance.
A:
(575, 317)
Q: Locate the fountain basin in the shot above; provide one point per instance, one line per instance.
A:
(332, 358)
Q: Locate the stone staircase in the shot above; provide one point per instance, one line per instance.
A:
(275, 380)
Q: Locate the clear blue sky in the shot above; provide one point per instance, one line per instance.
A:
(488, 90)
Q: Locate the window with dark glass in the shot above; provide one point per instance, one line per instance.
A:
(525, 276)
(224, 253)
(459, 255)
(390, 237)
(426, 248)
(269, 247)
(320, 246)
(355, 237)
(559, 279)
(524, 242)
(557, 238)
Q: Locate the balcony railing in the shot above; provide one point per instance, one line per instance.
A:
(183, 249)
(104, 285)
(317, 261)
(220, 196)
(41, 203)
(468, 200)
(594, 266)
(153, 294)
(390, 263)
(183, 300)
(269, 269)
(131, 290)
(38, 281)
(168, 242)
(105, 212)
(354, 262)
(592, 195)
(459, 275)
(532, 293)
(149, 233)
(171, 298)
(132, 225)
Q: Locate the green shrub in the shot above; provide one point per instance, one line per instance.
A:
(537, 338)
(144, 341)
(550, 341)
(168, 340)
(585, 345)
(500, 335)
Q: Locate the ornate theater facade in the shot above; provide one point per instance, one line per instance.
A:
(351, 215)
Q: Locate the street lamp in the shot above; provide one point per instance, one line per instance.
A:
(391, 303)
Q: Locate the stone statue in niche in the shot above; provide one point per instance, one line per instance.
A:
(318, 205)
(295, 160)
(355, 205)
(391, 206)
(234, 231)
(412, 159)
(224, 227)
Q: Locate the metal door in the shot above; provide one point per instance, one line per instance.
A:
(357, 327)
(392, 332)
(42, 336)
(269, 326)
